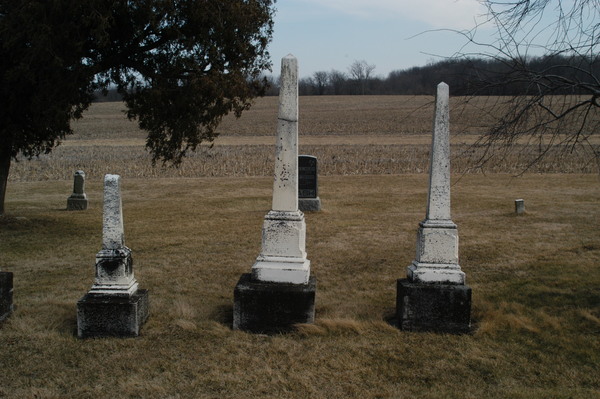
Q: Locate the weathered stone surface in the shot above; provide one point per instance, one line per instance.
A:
(114, 306)
(268, 308)
(444, 308)
(6, 295)
(438, 203)
(436, 259)
(112, 315)
(114, 264)
(519, 206)
(78, 200)
(113, 236)
(114, 272)
(285, 185)
(283, 256)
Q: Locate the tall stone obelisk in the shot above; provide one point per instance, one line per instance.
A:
(114, 306)
(280, 291)
(434, 296)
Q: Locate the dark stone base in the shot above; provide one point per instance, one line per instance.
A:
(309, 204)
(77, 204)
(269, 308)
(444, 308)
(6, 294)
(107, 315)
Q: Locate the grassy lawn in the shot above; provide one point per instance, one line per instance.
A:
(535, 280)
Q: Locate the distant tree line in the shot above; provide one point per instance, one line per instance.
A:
(466, 76)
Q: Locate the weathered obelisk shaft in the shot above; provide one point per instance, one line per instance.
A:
(285, 186)
(114, 265)
(436, 259)
(438, 204)
(112, 228)
(434, 296)
(283, 256)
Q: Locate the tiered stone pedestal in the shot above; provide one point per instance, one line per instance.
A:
(6, 294)
(443, 308)
(114, 306)
(118, 315)
(268, 308)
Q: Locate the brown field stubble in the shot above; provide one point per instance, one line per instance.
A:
(535, 292)
(351, 135)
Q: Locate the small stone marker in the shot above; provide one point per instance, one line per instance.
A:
(519, 206)
(6, 295)
(280, 291)
(78, 200)
(308, 185)
(114, 306)
(434, 296)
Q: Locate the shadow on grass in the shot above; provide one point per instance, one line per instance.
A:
(223, 314)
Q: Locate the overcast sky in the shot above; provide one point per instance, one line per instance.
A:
(331, 34)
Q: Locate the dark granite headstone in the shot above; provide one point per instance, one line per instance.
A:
(308, 186)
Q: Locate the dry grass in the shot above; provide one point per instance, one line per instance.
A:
(195, 229)
(535, 292)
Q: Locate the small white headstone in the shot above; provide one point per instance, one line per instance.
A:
(78, 200)
(519, 206)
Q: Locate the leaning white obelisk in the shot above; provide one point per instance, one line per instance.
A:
(434, 296)
(280, 292)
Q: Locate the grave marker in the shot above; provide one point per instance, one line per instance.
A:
(78, 200)
(519, 206)
(434, 296)
(308, 184)
(114, 306)
(279, 292)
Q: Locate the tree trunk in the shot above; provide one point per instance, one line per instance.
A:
(4, 169)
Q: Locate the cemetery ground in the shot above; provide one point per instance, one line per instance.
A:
(195, 230)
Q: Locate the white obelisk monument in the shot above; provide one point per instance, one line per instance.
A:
(279, 292)
(114, 306)
(434, 296)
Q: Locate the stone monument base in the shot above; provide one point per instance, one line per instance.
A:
(77, 204)
(444, 308)
(6, 294)
(309, 204)
(265, 307)
(102, 315)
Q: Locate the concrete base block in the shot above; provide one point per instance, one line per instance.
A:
(444, 308)
(77, 204)
(309, 204)
(6, 294)
(263, 307)
(102, 315)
